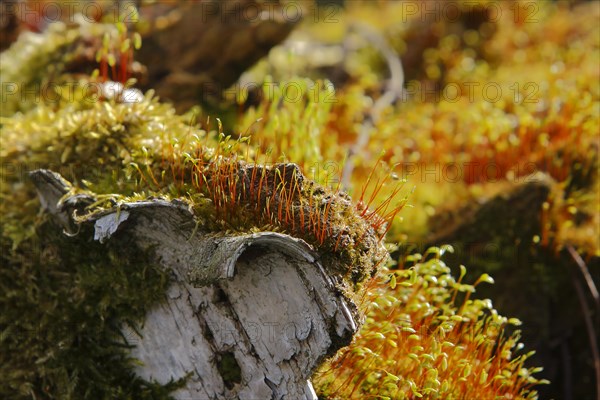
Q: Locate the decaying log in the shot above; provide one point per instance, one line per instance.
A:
(250, 316)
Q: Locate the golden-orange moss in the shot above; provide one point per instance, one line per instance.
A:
(232, 187)
(458, 348)
(425, 338)
(488, 103)
(486, 106)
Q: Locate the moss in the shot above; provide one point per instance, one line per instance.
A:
(229, 370)
(425, 337)
(461, 148)
(64, 301)
(51, 67)
(68, 297)
(131, 151)
(180, 162)
(26, 66)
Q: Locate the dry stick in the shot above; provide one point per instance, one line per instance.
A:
(586, 312)
(393, 92)
(586, 275)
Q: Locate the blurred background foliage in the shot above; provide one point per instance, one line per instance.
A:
(491, 117)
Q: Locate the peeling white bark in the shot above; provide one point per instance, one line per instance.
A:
(249, 316)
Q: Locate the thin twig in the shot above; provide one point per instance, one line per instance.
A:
(587, 318)
(586, 275)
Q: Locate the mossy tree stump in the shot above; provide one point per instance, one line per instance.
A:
(246, 316)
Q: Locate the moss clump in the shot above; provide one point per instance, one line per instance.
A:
(461, 146)
(135, 160)
(234, 195)
(24, 68)
(69, 297)
(425, 338)
(64, 300)
(52, 67)
(229, 370)
(132, 151)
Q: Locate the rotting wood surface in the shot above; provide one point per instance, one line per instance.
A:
(251, 316)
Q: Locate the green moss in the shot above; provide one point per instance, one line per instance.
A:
(64, 300)
(69, 296)
(123, 145)
(229, 370)
(127, 152)
(28, 65)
